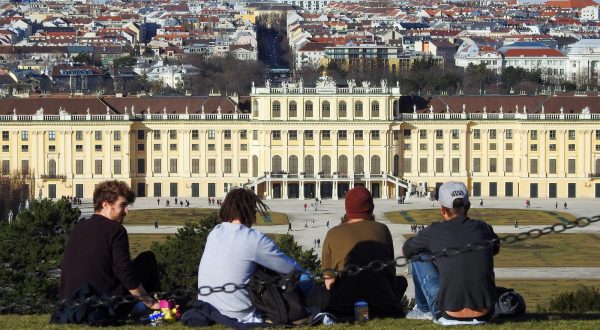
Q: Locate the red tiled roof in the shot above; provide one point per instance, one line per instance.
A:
(533, 52)
(570, 3)
(116, 105)
(510, 103)
(315, 46)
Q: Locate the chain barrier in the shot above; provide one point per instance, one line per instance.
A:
(349, 270)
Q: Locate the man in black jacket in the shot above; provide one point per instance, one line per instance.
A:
(97, 252)
(457, 289)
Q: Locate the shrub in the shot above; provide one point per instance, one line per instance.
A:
(584, 299)
(31, 250)
(179, 256)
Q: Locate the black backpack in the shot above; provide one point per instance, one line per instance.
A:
(83, 307)
(281, 302)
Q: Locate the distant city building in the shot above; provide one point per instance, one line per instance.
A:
(590, 14)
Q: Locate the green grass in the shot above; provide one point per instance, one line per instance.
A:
(555, 250)
(142, 242)
(539, 292)
(491, 216)
(529, 321)
(178, 216)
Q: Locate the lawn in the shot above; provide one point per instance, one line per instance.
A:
(178, 216)
(142, 242)
(491, 216)
(554, 250)
(539, 292)
(528, 322)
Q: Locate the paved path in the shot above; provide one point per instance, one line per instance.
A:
(332, 210)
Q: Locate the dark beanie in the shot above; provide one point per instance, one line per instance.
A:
(359, 203)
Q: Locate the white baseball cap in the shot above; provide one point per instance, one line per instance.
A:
(450, 191)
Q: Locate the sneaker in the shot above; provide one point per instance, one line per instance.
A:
(447, 322)
(417, 314)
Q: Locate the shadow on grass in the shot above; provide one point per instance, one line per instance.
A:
(553, 316)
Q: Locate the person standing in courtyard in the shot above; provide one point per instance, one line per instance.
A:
(289, 225)
(305, 207)
(158, 201)
(97, 253)
(556, 205)
(156, 224)
(457, 289)
(481, 202)
(516, 223)
(565, 205)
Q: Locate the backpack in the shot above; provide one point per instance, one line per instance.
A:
(83, 308)
(509, 304)
(280, 303)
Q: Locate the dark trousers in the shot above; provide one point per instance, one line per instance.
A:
(146, 269)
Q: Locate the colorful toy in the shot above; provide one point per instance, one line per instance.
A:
(168, 312)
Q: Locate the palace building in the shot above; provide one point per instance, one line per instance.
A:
(292, 141)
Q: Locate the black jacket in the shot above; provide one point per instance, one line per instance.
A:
(466, 280)
(97, 253)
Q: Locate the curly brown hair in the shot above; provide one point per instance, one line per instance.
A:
(241, 204)
(109, 191)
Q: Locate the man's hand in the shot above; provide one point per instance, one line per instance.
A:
(144, 297)
(154, 306)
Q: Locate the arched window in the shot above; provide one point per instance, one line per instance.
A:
(326, 165)
(293, 109)
(343, 165)
(276, 164)
(309, 165)
(375, 164)
(255, 109)
(276, 109)
(255, 166)
(342, 109)
(359, 164)
(374, 109)
(325, 109)
(358, 109)
(308, 109)
(396, 169)
(52, 167)
(293, 164)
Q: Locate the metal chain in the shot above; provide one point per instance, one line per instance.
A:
(349, 270)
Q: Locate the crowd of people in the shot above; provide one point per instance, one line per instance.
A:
(450, 291)
(73, 200)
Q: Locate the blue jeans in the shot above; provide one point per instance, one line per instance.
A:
(427, 284)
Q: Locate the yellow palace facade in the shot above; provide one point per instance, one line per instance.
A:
(292, 141)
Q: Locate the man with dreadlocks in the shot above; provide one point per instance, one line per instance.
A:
(232, 251)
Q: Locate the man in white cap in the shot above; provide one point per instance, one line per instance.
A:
(457, 289)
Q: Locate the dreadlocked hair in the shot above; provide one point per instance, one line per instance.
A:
(241, 204)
